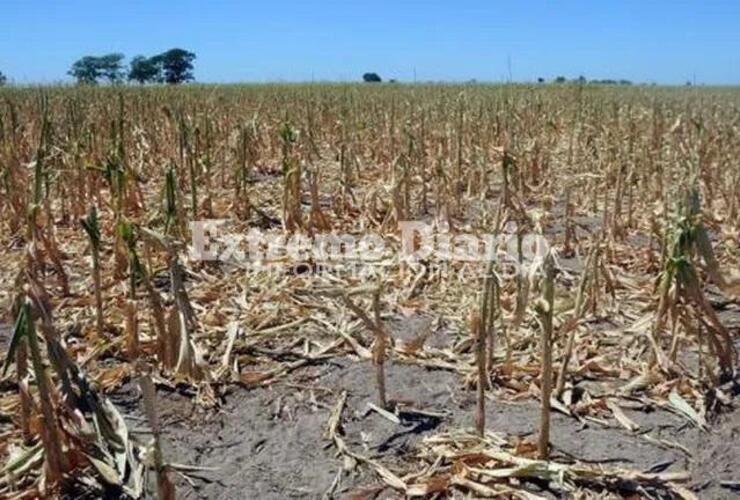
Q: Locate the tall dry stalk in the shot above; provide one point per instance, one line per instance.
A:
(544, 314)
(132, 329)
(41, 205)
(173, 218)
(479, 336)
(570, 233)
(571, 327)
(291, 168)
(91, 227)
(246, 154)
(181, 321)
(489, 311)
(379, 351)
(381, 339)
(165, 486)
(317, 219)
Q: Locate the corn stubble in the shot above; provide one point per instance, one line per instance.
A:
(635, 190)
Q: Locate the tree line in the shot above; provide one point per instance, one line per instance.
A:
(173, 66)
(583, 80)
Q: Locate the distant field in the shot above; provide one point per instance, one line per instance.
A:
(323, 349)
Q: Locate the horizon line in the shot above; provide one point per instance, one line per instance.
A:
(596, 82)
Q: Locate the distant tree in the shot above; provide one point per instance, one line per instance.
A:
(581, 80)
(111, 67)
(176, 64)
(610, 81)
(371, 78)
(89, 69)
(560, 79)
(145, 70)
(540, 80)
(3, 79)
(86, 70)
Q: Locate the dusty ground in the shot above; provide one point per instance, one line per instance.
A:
(270, 441)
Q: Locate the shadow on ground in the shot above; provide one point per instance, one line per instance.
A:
(271, 441)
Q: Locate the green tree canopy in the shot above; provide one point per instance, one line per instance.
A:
(177, 65)
(111, 67)
(371, 77)
(145, 70)
(89, 69)
(173, 66)
(86, 70)
(3, 78)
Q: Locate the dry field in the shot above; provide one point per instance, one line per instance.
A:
(600, 364)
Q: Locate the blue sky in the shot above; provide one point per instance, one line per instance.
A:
(649, 41)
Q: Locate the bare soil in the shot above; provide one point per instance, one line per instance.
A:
(271, 443)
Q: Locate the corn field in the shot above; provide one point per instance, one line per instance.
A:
(111, 319)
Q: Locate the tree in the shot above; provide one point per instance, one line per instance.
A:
(86, 70)
(145, 70)
(560, 79)
(176, 65)
(3, 79)
(111, 67)
(89, 69)
(540, 80)
(371, 78)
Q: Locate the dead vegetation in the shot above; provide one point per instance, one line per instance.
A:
(637, 192)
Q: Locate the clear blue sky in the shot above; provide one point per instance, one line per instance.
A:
(662, 41)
